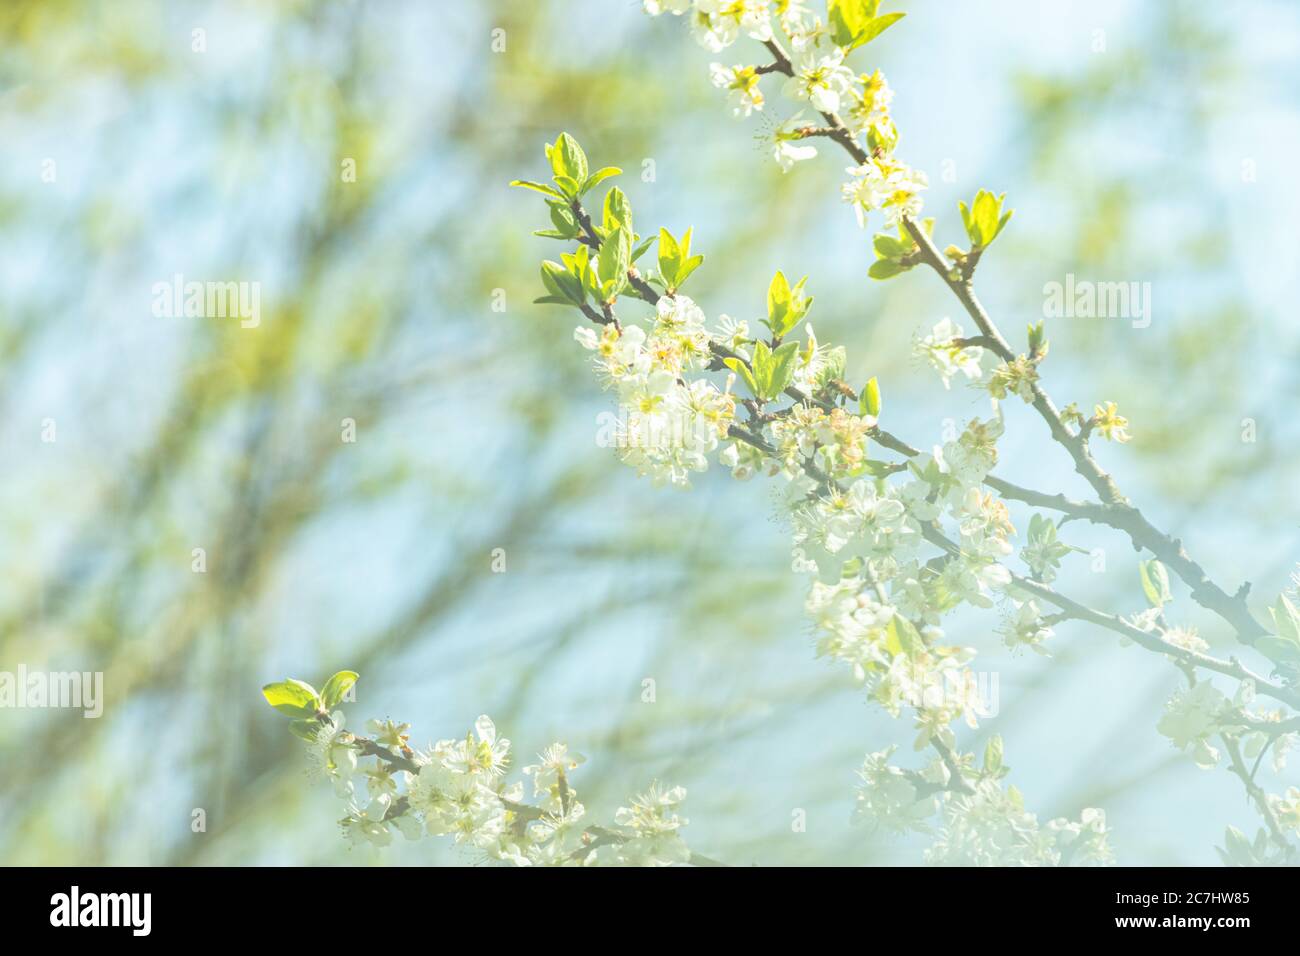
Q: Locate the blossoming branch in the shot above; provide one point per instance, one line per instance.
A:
(893, 538)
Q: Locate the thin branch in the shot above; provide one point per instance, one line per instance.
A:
(1121, 514)
(1256, 794)
(836, 128)
(1147, 639)
(592, 837)
(1125, 517)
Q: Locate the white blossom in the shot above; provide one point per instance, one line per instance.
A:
(820, 79)
(741, 84)
(947, 358)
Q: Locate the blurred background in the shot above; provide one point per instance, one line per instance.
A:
(1138, 141)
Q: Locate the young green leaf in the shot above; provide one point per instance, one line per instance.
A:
(887, 247)
(538, 187)
(1155, 582)
(618, 211)
(675, 260)
(849, 18)
(688, 263)
(568, 162)
(761, 365)
(984, 218)
(579, 265)
(689, 266)
(568, 186)
(598, 177)
(784, 362)
(643, 247)
(740, 368)
(876, 26)
(869, 401)
(1037, 338)
(293, 697)
(566, 225)
(993, 754)
(885, 269)
(562, 285)
(778, 301)
(1286, 619)
(337, 687)
(835, 361)
(902, 636)
(786, 306)
(985, 214)
(670, 257)
(1236, 850)
(612, 263)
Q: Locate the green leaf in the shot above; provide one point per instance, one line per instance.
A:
(993, 754)
(618, 211)
(784, 362)
(677, 267)
(786, 306)
(1286, 619)
(612, 262)
(336, 688)
(689, 266)
(849, 18)
(834, 361)
(887, 247)
(902, 636)
(773, 370)
(538, 187)
(1037, 338)
(578, 263)
(869, 402)
(778, 300)
(1002, 223)
(740, 368)
(1041, 529)
(761, 366)
(563, 218)
(670, 257)
(876, 26)
(293, 697)
(984, 218)
(985, 214)
(568, 161)
(1237, 849)
(1155, 582)
(599, 176)
(642, 247)
(893, 643)
(885, 269)
(561, 283)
